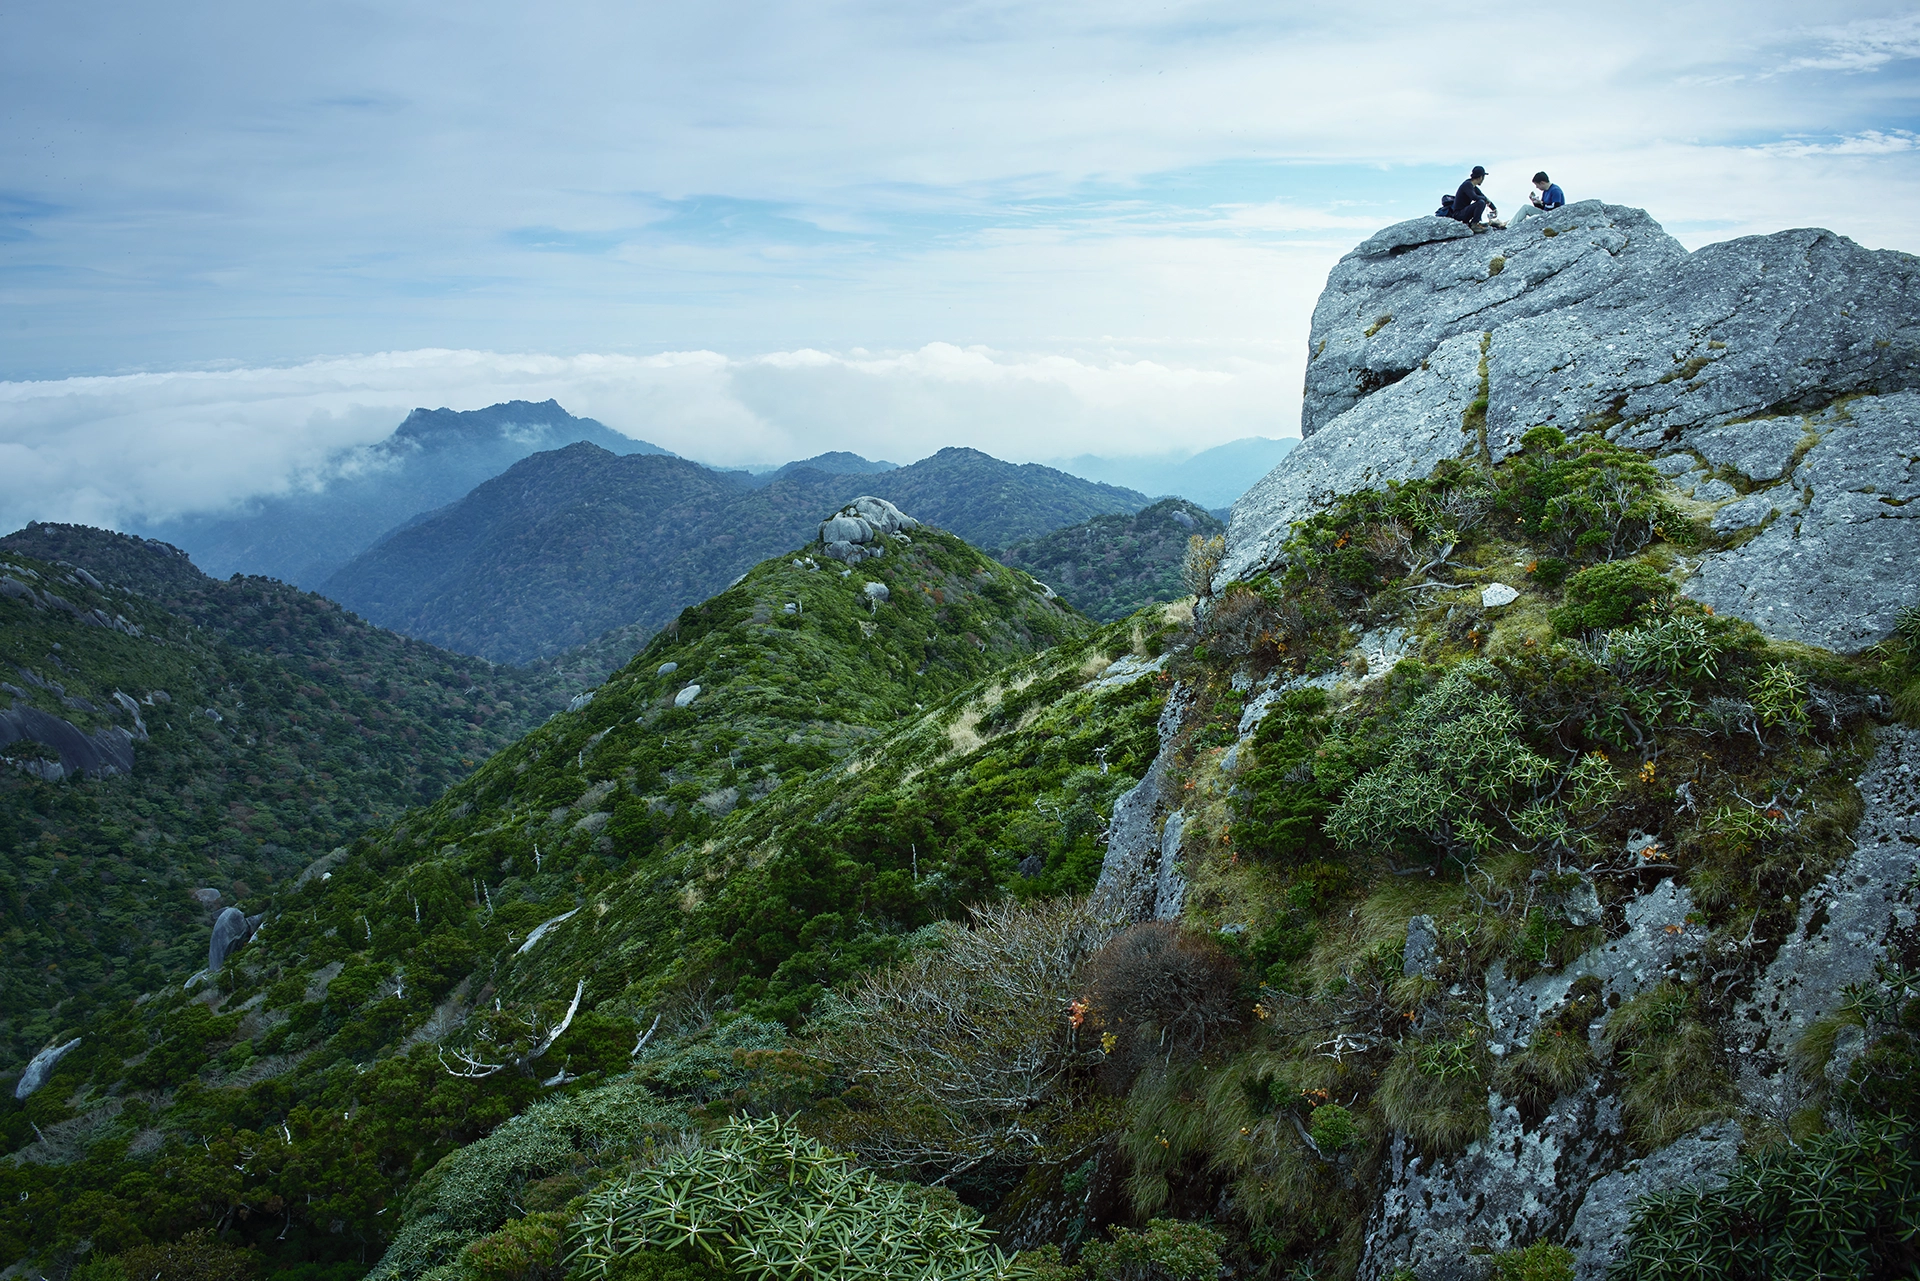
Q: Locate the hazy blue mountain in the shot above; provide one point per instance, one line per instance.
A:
(1213, 477)
(570, 544)
(433, 458)
(839, 462)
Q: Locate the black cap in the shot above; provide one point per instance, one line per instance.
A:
(1479, 172)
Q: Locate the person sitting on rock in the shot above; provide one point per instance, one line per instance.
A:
(1469, 202)
(1547, 193)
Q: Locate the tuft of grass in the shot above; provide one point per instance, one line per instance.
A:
(1541, 1261)
(1670, 1056)
(1435, 1092)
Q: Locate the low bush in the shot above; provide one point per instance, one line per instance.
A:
(1456, 762)
(526, 1249)
(1602, 597)
(1165, 1250)
(197, 1256)
(1541, 1261)
(1157, 991)
(1584, 500)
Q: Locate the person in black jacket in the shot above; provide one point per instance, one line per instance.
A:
(1469, 202)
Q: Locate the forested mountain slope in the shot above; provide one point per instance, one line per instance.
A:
(566, 546)
(1443, 894)
(624, 792)
(169, 733)
(1112, 565)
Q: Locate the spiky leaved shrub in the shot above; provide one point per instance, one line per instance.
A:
(1845, 1204)
(1452, 770)
(766, 1202)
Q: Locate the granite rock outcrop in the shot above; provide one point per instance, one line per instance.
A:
(1772, 376)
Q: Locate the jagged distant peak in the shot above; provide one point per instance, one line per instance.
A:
(548, 418)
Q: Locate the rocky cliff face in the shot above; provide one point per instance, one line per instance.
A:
(1772, 381)
(1769, 376)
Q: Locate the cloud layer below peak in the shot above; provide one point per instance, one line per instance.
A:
(125, 450)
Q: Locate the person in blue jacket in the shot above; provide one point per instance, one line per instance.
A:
(1547, 192)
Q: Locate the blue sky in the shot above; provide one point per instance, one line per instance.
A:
(757, 231)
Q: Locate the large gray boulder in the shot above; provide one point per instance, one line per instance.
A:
(856, 532)
(40, 1067)
(1837, 562)
(1396, 298)
(1748, 356)
(231, 929)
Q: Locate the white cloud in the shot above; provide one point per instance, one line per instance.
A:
(1865, 45)
(117, 450)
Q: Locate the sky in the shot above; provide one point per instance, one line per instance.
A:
(238, 241)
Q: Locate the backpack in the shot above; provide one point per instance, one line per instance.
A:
(1446, 207)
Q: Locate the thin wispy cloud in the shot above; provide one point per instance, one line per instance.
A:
(1866, 45)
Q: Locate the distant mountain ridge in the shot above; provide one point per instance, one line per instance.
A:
(433, 458)
(1112, 565)
(569, 544)
(1213, 478)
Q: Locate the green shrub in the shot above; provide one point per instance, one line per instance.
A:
(1166, 1250)
(1045, 1264)
(526, 1249)
(1606, 596)
(1333, 1128)
(1282, 804)
(764, 1201)
(197, 1256)
(1541, 1261)
(98, 1267)
(1585, 500)
(665, 1265)
(1455, 758)
(1845, 1204)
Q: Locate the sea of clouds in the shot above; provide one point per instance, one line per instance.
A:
(125, 450)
